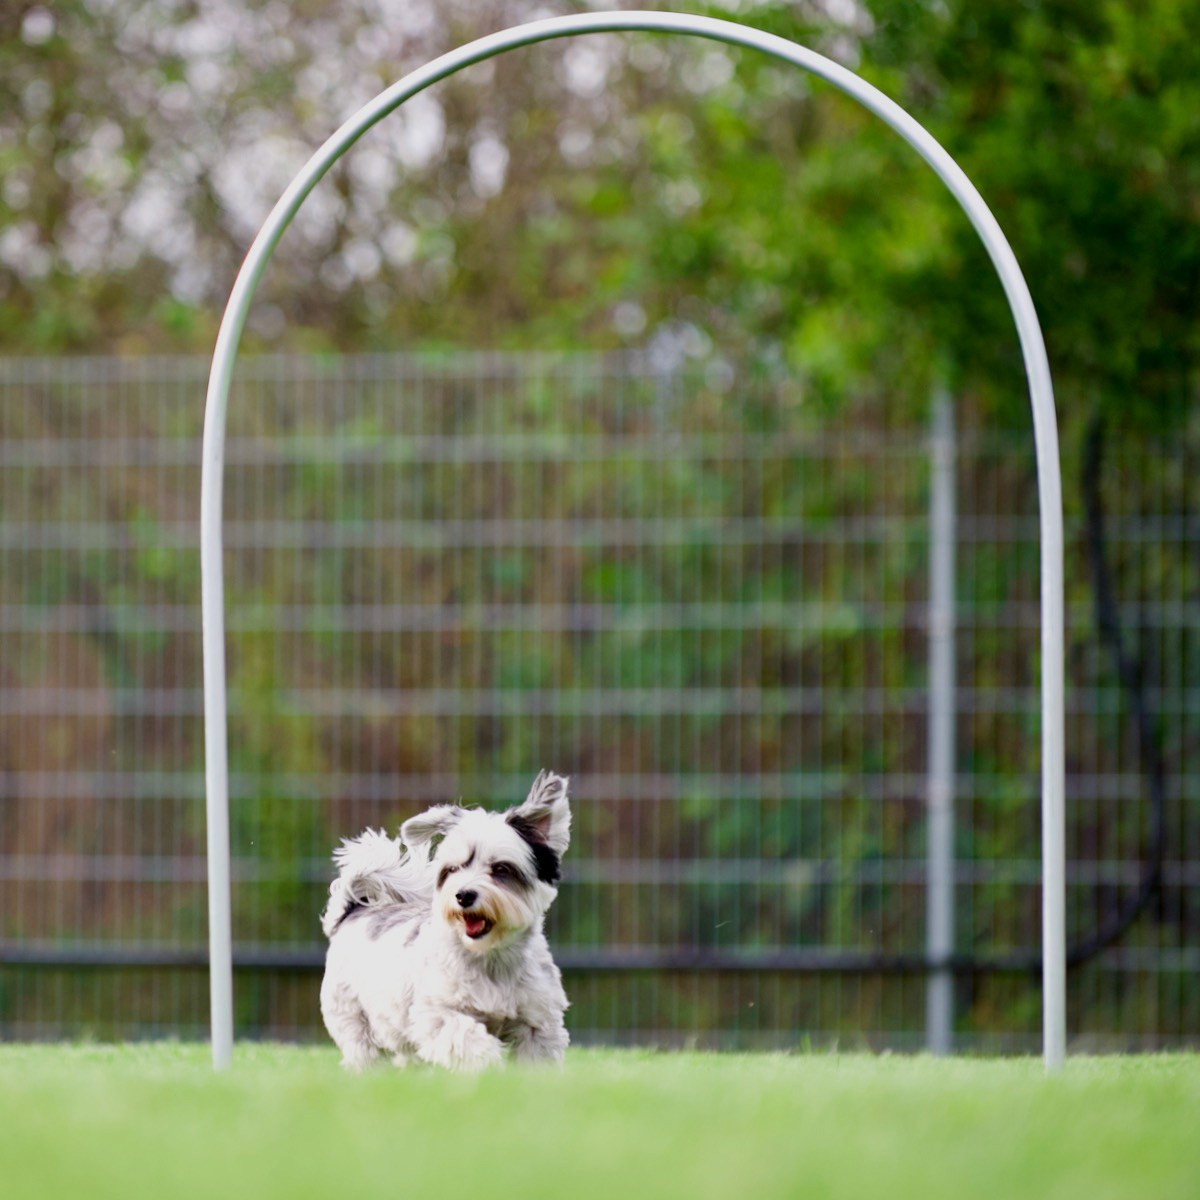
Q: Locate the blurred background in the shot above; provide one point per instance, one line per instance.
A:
(593, 414)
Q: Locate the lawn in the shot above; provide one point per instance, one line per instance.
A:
(155, 1121)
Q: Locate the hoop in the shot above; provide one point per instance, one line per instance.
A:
(1045, 428)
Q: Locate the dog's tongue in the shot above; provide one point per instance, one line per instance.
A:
(475, 924)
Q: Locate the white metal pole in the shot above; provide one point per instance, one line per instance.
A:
(939, 933)
(1041, 394)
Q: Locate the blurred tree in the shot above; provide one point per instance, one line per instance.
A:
(1077, 121)
(617, 190)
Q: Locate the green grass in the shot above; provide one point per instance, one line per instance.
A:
(155, 1121)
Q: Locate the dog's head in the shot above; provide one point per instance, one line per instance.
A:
(495, 871)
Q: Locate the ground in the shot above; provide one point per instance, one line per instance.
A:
(155, 1121)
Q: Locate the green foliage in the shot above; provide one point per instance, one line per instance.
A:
(1076, 120)
(710, 188)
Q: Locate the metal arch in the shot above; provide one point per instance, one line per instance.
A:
(1045, 426)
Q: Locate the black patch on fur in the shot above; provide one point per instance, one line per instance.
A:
(382, 917)
(352, 909)
(544, 858)
(385, 917)
(511, 876)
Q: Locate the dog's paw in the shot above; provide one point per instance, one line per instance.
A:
(356, 1059)
(532, 1044)
(463, 1044)
(480, 1055)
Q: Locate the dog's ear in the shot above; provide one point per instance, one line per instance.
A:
(417, 832)
(546, 813)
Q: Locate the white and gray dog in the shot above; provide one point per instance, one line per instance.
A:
(440, 955)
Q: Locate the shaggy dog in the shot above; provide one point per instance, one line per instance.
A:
(436, 951)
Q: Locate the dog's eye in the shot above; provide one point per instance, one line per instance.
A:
(503, 870)
(445, 874)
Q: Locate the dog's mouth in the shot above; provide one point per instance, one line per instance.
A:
(476, 925)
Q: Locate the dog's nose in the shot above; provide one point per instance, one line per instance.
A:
(466, 897)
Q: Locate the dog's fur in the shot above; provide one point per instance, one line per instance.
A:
(437, 952)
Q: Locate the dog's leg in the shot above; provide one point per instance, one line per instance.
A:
(454, 1040)
(348, 1026)
(358, 1056)
(532, 1044)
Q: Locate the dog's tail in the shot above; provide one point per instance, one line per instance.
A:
(374, 869)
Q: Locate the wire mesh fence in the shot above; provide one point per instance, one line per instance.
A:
(678, 584)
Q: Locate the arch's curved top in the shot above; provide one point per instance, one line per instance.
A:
(1041, 398)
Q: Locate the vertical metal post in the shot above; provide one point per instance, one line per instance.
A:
(939, 926)
(216, 755)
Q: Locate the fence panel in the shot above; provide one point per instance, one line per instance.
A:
(704, 601)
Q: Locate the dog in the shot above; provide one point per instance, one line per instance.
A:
(436, 949)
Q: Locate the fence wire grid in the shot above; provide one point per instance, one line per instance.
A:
(679, 585)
